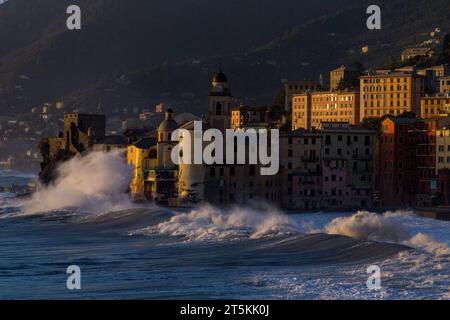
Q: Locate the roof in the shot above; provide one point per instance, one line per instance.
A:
(190, 125)
(81, 115)
(168, 125)
(402, 120)
(136, 132)
(328, 93)
(343, 127)
(113, 139)
(145, 143)
(245, 108)
(392, 74)
(410, 51)
(302, 133)
(184, 117)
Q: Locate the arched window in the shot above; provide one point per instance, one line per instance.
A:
(153, 154)
(218, 109)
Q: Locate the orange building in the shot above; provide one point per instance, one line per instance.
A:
(391, 94)
(435, 106)
(309, 110)
(444, 85)
(244, 115)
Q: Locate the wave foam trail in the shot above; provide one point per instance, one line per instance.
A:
(94, 183)
(389, 226)
(427, 243)
(368, 226)
(211, 223)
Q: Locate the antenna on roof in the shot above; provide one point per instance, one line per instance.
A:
(99, 107)
(220, 64)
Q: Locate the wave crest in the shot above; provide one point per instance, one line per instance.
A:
(211, 223)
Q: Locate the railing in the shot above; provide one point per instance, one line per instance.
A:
(310, 159)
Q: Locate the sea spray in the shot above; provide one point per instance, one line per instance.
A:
(427, 243)
(368, 226)
(211, 223)
(93, 183)
(387, 227)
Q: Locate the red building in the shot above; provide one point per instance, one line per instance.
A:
(397, 163)
(426, 159)
(443, 187)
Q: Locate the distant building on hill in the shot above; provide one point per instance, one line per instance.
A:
(412, 53)
(294, 87)
(340, 74)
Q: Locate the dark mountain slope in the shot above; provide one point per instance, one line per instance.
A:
(316, 46)
(119, 36)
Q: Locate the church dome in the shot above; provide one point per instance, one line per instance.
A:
(219, 85)
(220, 77)
(169, 124)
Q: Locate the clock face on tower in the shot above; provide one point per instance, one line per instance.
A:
(219, 88)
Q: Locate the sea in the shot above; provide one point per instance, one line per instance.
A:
(130, 251)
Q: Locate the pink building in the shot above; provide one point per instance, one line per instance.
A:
(336, 192)
(307, 191)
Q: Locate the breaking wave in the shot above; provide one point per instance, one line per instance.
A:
(93, 183)
(387, 227)
(211, 223)
(369, 226)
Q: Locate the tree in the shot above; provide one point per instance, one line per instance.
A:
(276, 110)
(407, 114)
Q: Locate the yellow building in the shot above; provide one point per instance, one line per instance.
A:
(297, 87)
(445, 85)
(443, 148)
(142, 157)
(434, 106)
(309, 110)
(155, 174)
(390, 94)
(245, 115)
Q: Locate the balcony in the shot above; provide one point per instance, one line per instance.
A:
(366, 157)
(310, 159)
(160, 174)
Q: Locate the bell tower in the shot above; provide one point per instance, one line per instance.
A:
(219, 102)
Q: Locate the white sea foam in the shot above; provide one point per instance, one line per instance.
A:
(390, 226)
(212, 223)
(368, 226)
(93, 183)
(261, 220)
(428, 244)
